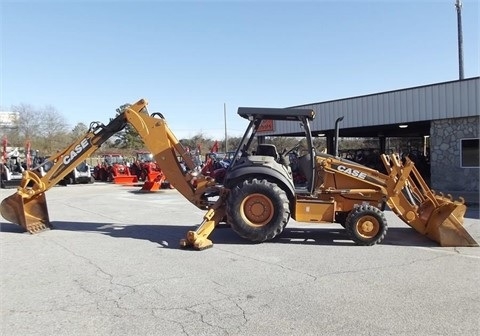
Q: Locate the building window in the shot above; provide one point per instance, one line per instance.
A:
(470, 150)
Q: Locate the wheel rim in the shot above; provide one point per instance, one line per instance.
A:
(257, 210)
(368, 227)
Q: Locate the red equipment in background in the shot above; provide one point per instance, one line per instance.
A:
(214, 165)
(147, 170)
(113, 169)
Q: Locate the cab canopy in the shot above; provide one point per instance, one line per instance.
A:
(252, 113)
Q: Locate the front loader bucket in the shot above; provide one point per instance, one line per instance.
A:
(30, 213)
(150, 186)
(438, 217)
(125, 179)
(445, 226)
(154, 176)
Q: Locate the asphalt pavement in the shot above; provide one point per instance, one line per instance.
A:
(112, 266)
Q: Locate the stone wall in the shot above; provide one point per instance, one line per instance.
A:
(445, 155)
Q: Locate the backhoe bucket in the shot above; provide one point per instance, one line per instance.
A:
(30, 213)
(445, 226)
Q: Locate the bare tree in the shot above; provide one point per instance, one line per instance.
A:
(45, 128)
(284, 143)
(53, 129)
(79, 130)
(233, 143)
(28, 122)
(199, 140)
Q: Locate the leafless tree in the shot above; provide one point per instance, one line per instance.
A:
(28, 122)
(79, 130)
(45, 128)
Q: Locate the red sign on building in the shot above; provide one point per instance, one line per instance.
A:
(266, 126)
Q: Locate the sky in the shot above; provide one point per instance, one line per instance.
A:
(195, 61)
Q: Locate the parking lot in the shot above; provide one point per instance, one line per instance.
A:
(113, 266)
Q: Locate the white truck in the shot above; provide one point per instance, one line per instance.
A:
(81, 174)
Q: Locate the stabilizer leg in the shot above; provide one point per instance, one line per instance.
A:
(198, 239)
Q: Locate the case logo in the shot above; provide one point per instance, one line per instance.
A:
(352, 172)
(77, 150)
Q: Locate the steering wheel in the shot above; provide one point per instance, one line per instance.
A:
(286, 152)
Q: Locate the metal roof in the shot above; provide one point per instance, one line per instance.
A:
(382, 113)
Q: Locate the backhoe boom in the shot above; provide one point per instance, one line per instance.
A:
(28, 206)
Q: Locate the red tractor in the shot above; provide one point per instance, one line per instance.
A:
(113, 169)
(147, 170)
(215, 166)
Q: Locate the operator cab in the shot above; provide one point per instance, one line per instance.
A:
(266, 159)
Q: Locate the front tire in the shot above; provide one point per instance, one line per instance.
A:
(366, 225)
(258, 210)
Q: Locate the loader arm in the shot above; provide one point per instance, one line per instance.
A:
(405, 192)
(438, 217)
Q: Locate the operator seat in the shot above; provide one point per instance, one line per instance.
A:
(305, 167)
(267, 150)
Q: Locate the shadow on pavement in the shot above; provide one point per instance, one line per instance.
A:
(473, 212)
(11, 228)
(339, 237)
(169, 235)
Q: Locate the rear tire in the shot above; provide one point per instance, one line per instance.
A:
(258, 210)
(366, 225)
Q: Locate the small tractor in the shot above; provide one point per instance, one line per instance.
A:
(215, 164)
(113, 168)
(147, 170)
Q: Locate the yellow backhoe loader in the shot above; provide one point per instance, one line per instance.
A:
(258, 195)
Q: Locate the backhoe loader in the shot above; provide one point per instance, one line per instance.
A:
(258, 195)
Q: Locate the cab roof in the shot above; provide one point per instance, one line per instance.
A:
(275, 113)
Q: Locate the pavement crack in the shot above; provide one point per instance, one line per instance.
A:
(101, 214)
(104, 275)
(314, 277)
